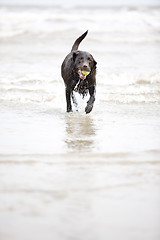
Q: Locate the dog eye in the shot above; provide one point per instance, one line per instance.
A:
(81, 59)
(89, 60)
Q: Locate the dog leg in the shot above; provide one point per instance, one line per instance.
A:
(92, 92)
(68, 100)
(74, 101)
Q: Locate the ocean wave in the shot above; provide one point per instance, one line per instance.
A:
(41, 90)
(122, 78)
(131, 99)
(130, 88)
(25, 89)
(109, 24)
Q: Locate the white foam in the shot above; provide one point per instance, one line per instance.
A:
(116, 25)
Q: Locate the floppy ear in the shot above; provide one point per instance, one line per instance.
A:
(94, 64)
(75, 54)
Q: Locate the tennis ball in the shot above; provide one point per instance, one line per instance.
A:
(85, 73)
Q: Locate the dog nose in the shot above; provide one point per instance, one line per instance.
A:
(85, 66)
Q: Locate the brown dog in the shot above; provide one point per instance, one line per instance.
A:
(72, 69)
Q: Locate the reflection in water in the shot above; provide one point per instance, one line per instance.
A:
(80, 132)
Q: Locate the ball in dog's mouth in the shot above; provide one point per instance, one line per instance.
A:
(83, 74)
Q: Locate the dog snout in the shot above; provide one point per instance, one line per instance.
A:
(85, 67)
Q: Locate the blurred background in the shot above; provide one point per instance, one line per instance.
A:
(76, 176)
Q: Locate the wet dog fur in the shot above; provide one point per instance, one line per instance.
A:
(72, 73)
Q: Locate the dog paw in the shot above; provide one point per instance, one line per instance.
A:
(88, 108)
(69, 110)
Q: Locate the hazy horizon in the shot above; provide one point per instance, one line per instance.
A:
(82, 2)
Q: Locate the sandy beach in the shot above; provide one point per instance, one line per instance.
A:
(72, 176)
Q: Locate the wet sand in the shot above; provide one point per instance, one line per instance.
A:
(76, 176)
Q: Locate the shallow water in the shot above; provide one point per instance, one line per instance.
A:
(78, 176)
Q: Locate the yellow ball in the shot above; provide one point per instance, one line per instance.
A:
(85, 73)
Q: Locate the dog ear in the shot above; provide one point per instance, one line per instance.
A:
(94, 64)
(75, 54)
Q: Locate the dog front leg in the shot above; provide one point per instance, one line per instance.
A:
(92, 92)
(68, 99)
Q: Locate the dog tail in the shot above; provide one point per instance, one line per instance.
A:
(78, 41)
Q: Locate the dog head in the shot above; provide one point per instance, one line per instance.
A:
(83, 61)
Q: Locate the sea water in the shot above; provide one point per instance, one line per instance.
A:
(72, 175)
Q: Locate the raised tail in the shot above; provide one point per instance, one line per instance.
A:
(78, 41)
